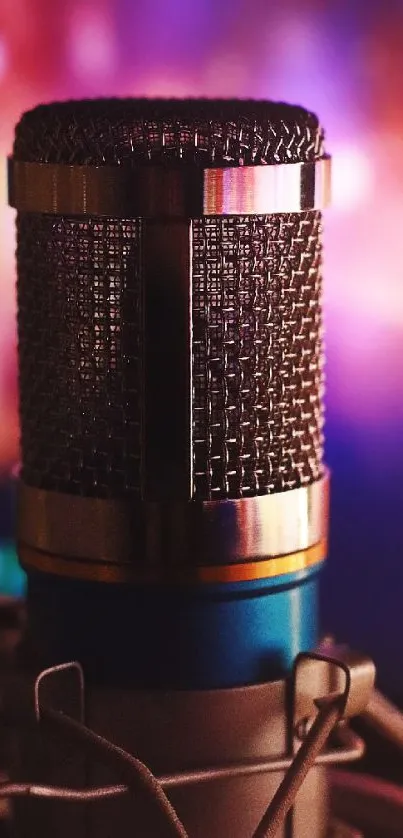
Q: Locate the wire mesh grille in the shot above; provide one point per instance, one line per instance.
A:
(257, 368)
(206, 132)
(79, 323)
(257, 363)
(257, 354)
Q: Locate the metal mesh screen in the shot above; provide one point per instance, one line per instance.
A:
(79, 323)
(257, 362)
(205, 132)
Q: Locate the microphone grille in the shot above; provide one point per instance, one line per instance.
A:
(201, 131)
(257, 410)
(257, 354)
(79, 333)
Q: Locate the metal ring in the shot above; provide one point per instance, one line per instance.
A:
(264, 190)
(160, 192)
(182, 574)
(145, 533)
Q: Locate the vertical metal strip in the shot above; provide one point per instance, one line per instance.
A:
(167, 360)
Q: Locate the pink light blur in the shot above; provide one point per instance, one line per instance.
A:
(49, 52)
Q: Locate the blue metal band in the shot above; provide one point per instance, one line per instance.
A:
(226, 635)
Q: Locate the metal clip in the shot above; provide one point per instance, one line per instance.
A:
(331, 670)
(48, 674)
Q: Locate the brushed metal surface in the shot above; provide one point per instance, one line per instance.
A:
(191, 533)
(261, 190)
(150, 192)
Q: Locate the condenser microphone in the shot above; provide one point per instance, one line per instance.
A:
(172, 511)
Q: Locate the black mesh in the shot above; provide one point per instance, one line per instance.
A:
(79, 323)
(139, 130)
(257, 371)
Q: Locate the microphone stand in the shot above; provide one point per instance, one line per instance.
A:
(329, 687)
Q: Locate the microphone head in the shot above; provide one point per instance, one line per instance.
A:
(203, 132)
(256, 354)
(170, 358)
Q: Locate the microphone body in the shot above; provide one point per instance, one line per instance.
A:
(172, 504)
(173, 500)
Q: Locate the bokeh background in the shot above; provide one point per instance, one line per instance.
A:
(343, 59)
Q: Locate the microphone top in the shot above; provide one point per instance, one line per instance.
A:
(203, 132)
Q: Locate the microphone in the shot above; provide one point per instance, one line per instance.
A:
(172, 510)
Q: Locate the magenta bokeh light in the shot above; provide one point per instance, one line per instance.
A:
(343, 60)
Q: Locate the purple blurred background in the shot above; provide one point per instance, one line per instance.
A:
(345, 61)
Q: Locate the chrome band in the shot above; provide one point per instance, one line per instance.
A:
(170, 534)
(160, 193)
(266, 526)
(264, 190)
(110, 572)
